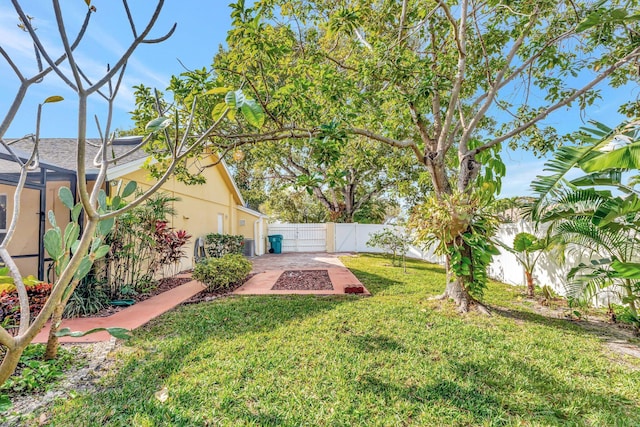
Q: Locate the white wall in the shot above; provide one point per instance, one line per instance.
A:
(504, 268)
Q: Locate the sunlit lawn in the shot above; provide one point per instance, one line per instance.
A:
(395, 358)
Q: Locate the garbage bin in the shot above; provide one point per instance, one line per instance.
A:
(275, 241)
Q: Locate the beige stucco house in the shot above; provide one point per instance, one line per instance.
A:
(214, 207)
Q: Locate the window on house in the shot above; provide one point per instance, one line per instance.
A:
(221, 223)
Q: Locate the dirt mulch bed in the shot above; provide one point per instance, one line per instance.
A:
(303, 280)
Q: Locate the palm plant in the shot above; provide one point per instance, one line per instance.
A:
(527, 248)
(597, 212)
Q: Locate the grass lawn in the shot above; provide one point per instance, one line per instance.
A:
(395, 358)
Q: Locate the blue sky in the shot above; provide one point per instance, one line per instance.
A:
(201, 28)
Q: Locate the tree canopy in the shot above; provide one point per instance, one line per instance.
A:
(448, 81)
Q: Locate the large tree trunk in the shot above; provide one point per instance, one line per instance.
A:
(457, 291)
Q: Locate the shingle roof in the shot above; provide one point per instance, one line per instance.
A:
(61, 152)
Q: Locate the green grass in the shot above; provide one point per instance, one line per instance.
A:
(392, 359)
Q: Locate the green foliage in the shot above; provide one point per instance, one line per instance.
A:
(471, 255)
(293, 206)
(462, 231)
(394, 242)
(199, 100)
(120, 333)
(7, 282)
(218, 245)
(584, 213)
(38, 294)
(36, 374)
(222, 273)
(140, 245)
(88, 298)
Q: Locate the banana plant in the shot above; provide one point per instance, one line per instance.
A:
(597, 212)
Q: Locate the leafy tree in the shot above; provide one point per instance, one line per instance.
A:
(343, 174)
(75, 250)
(585, 213)
(448, 82)
(394, 242)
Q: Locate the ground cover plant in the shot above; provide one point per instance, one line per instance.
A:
(396, 358)
(35, 374)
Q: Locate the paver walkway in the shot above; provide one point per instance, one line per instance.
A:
(267, 268)
(130, 318)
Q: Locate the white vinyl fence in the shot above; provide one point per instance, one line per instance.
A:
(504, 268)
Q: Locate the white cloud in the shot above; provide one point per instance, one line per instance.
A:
(520, 174)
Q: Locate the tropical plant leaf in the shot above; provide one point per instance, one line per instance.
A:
(102, 200)
(627, 270)
(53, 243)
(523, 242)
(83, 268)
(120, 333)
(627, 157)
(129, 189)
(230, 100)
(66, 197)
(105, 226)
(158, 124)
(545, 187)
(52, 99)
(75, 212)
(616, 208)
(218, 110)
(218, 91)
(101, 251)
(52, 218)
(71, 234)
(74, 246)
(253, 113)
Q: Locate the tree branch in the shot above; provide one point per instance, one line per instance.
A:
(543, 114)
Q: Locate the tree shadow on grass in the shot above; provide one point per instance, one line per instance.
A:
(172, 343)
(578, 327)
(374, 343)
(551, 400)
(374, 282)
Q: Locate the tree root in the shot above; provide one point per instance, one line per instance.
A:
(440, 297)
(464, 305)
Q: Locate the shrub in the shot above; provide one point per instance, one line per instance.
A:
(142, 245)
(218, 245)
(392, 242)
(10, 302)
(87, 299)
(223, 272)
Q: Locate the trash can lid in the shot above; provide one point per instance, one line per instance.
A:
(276, 236)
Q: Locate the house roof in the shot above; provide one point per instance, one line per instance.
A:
(61, 152)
